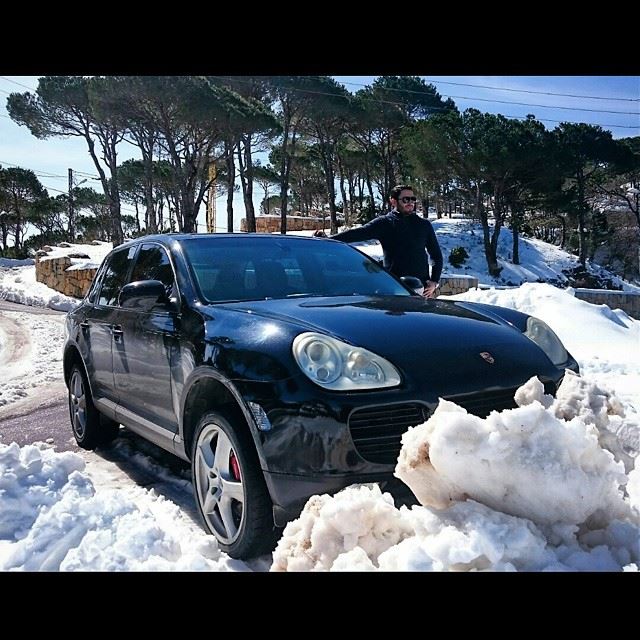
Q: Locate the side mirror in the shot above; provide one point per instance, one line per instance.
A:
(415, 284)
(142, 295)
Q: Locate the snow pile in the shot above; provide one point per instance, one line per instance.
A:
(51, 518)
(467, 537)
(333, 533)
(19, 285)
(594, 405)
(18, 282)
(30, 479)
(633, 486)
(522, 489)
(40, 360)
(524, 461)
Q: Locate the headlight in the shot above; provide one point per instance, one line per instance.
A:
(543, 336)
(338, 366)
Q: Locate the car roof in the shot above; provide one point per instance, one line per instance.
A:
(168, 237)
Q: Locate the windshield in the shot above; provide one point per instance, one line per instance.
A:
(254, 268)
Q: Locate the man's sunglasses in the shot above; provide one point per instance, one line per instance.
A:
(407, 199)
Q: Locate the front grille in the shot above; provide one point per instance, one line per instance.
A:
(376, 431)
(483, 403)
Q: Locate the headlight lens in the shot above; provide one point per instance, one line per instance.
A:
(338, 366)
(543, 336)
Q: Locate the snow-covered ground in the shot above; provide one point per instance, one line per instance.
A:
(30, 355)
(548, 486)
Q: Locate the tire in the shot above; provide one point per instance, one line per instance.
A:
(90, 428)
(232, 497)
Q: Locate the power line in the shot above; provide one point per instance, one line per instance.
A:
(544, 93)
(524, 104)
(18, 83)
(545, 106)
(38, 172)
(126, 209)
(89, 175)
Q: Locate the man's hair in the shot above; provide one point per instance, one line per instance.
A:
(398, 189)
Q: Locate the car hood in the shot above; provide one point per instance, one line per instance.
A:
(431, 336)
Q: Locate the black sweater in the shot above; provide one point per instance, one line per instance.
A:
(403, 240)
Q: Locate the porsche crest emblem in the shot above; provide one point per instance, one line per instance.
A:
(485, 355)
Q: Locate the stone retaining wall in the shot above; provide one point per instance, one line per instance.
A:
(628, 301)
(452, 285)
(271, 224)
(53, 272)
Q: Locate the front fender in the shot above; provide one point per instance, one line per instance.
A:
(227, 389)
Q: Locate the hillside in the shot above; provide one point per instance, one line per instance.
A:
(539, 261)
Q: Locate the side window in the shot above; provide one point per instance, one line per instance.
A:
(153, 264)
(115, 276)
(92, 294)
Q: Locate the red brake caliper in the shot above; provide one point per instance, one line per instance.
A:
(235, 467)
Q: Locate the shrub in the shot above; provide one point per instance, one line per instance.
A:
(457, 256)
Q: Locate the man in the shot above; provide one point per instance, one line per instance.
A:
(404, 237)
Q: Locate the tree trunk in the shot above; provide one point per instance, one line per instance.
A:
(582, 221)
(346, 209)
(231, 179)
(150, 214)
(515, 230)
(246, 179)
(161, 215)
(146, 144)
(370, 190)
(489, 250)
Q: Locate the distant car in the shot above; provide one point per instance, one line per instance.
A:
(281, 367)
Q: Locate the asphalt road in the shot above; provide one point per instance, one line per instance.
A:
(5, 305)
(44, 423)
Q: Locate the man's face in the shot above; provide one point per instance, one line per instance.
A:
(406, 202)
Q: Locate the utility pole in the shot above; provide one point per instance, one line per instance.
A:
(72, 230)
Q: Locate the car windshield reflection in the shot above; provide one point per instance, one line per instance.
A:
(249, 268)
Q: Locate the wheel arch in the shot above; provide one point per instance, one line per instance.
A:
(72, 356)
(205, 391)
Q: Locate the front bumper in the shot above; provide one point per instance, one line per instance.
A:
(321, 442)
(290, 493)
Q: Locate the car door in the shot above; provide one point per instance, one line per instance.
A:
(97, 323)
(142, 353)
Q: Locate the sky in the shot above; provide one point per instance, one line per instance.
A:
(599, 96)
(553, 485)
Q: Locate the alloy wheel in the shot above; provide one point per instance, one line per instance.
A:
(78, 404)
(219, 486)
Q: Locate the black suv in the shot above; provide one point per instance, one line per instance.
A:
(281, 367)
